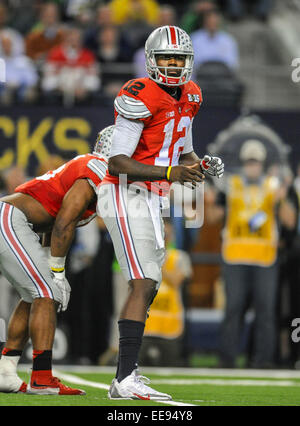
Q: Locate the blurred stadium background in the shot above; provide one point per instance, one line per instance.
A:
(49, 112)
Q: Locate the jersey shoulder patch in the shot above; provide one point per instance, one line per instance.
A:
(99, 167)
(131, 108)
(195, 90)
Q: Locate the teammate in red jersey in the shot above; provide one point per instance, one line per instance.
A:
(54, 203)
(152, 146)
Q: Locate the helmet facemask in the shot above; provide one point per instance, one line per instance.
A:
(160, 73)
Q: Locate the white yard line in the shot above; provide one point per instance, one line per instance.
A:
(79, 381)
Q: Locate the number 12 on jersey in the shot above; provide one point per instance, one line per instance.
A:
(166, 158)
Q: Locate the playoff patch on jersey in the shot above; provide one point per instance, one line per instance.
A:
(193, 98)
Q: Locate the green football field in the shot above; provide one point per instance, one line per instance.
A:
(188, 387)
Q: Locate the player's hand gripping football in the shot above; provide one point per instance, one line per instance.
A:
(183, 174)
(212, 166)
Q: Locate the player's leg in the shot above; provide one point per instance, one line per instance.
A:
(135, 247)
(132, 324)
(128, 384)
(37, 319)
(141, 293)
(42, 325)
(18, 332)
(17, 336)
(25, 265)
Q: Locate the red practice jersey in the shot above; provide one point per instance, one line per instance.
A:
(50, 188)
(166, 122)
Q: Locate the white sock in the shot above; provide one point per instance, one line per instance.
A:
(9, 363)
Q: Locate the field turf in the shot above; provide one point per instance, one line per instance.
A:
(194, 387)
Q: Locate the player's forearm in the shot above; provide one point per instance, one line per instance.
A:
(61, 239)
(121, 164)
(75, 203)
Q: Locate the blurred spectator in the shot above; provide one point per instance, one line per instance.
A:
(109, 47)
(105, 40)
(138, 19)
(17, 42)
(21, 75)
(74, 8)
(13, 177)
(104, 15)
(93, 41)
(192, 20)
(71, 70)
(212, 44)
(52, 162)
(125, 11)
(162, 342)
(289, 271)
(111, 50)
(249, 251)
(24, 14)
(80, 12)
(204, 288)
(182, 209)
(90, 308)
(76, 318)
(139, 63)
(46, 34)
(167, 15)
(237, 9)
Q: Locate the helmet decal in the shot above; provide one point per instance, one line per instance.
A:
(103, 142)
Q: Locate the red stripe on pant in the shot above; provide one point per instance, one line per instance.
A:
(125, 236)
(26, 264)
